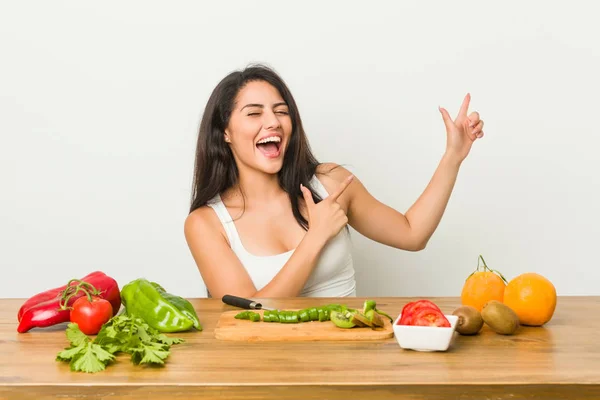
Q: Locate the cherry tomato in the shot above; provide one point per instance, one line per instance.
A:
(430, 317)
(90, 316)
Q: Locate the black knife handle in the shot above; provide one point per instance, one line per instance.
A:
(241, 302)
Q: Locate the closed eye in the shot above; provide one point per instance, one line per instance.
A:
(276, 112)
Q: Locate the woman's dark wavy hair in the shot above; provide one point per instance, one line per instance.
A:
(215, 169)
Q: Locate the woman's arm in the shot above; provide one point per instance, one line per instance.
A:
(412, 231)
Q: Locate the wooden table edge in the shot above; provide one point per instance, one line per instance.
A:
(286, 391)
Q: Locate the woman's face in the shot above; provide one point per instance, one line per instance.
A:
(259, 128)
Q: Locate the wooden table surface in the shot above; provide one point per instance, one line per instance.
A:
(558, 361)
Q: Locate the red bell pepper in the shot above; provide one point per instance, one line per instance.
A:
(49, 295)
(53, 306)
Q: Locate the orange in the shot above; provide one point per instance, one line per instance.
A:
(532, 297)
(483, 286)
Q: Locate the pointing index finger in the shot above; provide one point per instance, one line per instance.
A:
(342, 187)
(307, 196)
(465, 105)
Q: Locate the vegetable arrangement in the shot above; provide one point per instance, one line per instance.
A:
(91, 305)
(339, 314)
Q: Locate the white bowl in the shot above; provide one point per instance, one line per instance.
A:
(425, 338)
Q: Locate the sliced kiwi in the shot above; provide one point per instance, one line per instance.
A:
(358, 318)
(375, 318)
(358, 322)
(469, 321)
(342, 319)
(501, 318)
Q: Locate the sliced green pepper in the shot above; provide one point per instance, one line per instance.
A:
(251, 315)
(323, 315)
(304, 315)
(274, 316)
(372, 305)
(384, 314)
(288, 317)
(336, 307)
(282, 316)
(291, 317)
(254, 317)
(369, 305)
(243, 315)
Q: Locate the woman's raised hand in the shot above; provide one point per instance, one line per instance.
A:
(463, 131)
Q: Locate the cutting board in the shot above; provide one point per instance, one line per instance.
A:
(229, 328)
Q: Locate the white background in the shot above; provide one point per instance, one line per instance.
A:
(100, 104)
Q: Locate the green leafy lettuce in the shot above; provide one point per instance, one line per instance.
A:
(123, 333)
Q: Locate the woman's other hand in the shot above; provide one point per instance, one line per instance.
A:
(463, 131)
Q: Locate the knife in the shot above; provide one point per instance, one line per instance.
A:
(243, 303)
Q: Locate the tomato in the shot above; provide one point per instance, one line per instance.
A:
(428, 316)
(90, 316)
(411, 308)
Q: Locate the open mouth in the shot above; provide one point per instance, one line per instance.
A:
(270, 146)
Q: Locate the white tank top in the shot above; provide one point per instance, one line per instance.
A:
(333, 276)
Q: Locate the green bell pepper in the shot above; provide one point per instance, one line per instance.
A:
(163, 311)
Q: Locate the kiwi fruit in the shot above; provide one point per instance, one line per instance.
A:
(342, 319)
(375, 318)
(357, 322)
(469, 321)
(360, 320)
(500, 317)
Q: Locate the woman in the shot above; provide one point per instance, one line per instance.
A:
(268, 220)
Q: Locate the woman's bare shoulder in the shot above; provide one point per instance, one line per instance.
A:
(331, 175)
(203, 222)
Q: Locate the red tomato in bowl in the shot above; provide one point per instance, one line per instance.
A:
(90, 316)
(430, 317)
(409, 310)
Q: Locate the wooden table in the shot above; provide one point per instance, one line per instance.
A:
(558, 361)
